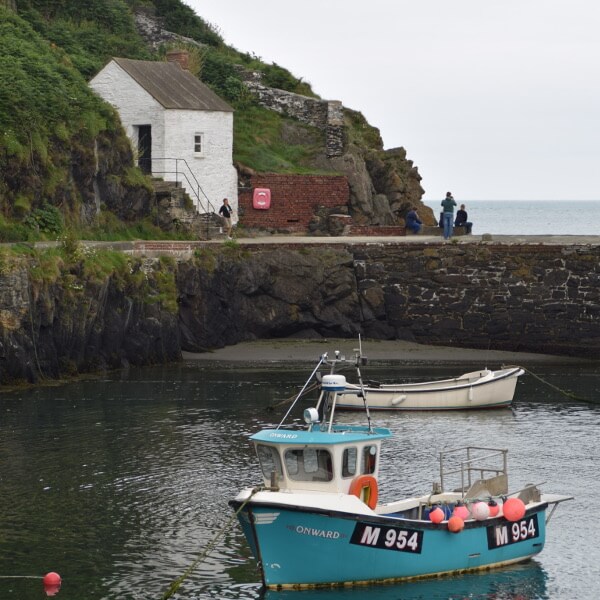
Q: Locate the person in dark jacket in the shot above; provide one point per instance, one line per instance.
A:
(448, 204)
(462, 219)
(225, 212)
(412, 220)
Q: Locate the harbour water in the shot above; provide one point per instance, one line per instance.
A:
(119, 484)
(530, 217)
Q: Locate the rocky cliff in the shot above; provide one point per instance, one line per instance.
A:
(80, 318)
(59, 319)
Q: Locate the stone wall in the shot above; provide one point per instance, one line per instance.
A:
(540, 298)
(525, 298)
(150, 27)
(295, 201)
(327, 115)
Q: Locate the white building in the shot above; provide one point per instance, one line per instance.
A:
(181, 130)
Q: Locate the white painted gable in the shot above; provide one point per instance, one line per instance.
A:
(192, 146)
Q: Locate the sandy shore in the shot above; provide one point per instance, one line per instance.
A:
(298, 350)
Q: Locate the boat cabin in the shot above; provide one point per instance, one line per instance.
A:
(324, 457)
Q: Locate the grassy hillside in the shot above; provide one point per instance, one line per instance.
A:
(52, 124)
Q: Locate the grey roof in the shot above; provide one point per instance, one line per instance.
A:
(172, 86)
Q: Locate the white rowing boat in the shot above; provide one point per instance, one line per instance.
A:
(477, 389)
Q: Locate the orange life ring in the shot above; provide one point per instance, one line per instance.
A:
(367, 485)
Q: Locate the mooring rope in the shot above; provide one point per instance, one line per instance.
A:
(175, 585)
(566, 393)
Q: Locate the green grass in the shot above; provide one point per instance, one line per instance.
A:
(258, 143)
(110, 229)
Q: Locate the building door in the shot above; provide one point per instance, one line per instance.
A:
(145, 148)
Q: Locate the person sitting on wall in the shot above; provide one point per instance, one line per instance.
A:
(462, 219)
(413, 223)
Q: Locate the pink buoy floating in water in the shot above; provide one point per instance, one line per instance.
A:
(436, 515)
(51, 583)
(514, 509)
(480, 511)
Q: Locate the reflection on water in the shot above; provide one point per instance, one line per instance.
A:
(119, 484)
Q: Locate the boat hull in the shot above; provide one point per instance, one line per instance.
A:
(470, 391)
(298, 547)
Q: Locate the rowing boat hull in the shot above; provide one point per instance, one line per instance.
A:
(477, 390)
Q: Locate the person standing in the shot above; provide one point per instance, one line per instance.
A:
(462, 219)
(225, 211)
(412, 220)
(448, 204)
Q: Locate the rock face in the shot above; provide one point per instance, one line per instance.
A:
(532, 298)
(102, 180)
(266, 294)
(78, 324)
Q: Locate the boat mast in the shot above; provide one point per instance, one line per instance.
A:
(360, 359)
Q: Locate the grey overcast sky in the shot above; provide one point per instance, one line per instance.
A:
(492, 99)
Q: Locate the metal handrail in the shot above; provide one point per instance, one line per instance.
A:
(467, 467)
(194, 188)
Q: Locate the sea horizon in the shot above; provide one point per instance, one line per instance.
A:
(530, 217)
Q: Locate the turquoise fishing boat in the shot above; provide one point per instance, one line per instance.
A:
(316, 520)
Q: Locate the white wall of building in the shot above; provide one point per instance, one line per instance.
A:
(133, 103)
(173, 134)
(213, 167)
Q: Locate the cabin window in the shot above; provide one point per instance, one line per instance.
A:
(198, 144)
(270, 462)
(308, 464)
(369, 459)
(349, 461)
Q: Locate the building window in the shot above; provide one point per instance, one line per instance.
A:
(199, 144)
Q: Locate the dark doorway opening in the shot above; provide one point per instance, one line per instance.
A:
(145, 148)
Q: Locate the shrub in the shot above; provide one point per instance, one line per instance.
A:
(46, 219)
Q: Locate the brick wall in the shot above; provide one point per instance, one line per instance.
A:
(294, 200)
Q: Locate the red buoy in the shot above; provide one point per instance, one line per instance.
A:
(436, 515)
(455, 524)
(514, 509)
(52, 583)
(494, 508)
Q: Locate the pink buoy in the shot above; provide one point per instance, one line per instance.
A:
(455, 524)
(51, 583)
(514, 509)
(436, 515)
(460, 510)
(480, 511)
(494, 508)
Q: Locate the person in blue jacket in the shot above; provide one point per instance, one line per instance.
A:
(412, 220)
(448, 204)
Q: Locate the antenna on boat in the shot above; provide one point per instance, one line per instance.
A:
(362, 360)
(321, 360)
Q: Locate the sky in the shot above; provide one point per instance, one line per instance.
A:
(492, 99)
